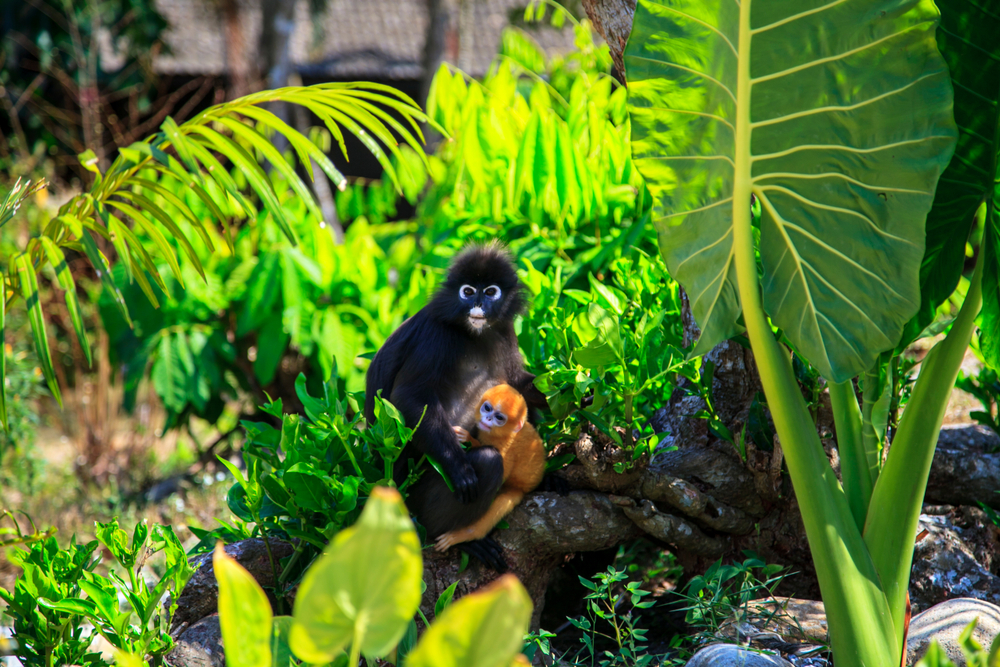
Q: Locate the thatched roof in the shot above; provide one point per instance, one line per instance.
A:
(381, 39)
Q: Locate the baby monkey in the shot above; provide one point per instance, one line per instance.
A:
(503, 424)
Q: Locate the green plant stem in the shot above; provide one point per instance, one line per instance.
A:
(359, 633)
(899, 493)
(853, 464)
(299, 549)
(874, 419)
(856, 608)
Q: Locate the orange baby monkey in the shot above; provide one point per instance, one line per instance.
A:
(503, 424)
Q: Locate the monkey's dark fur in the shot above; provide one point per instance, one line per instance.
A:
(445, 357)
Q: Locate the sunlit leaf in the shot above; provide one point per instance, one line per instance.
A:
(829, 143)
(483, 629)
(365, 588)
(245, 616)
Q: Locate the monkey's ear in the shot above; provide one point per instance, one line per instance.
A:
(519, 425)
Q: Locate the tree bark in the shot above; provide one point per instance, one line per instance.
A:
(238, 65)
(613, 21)
(441, 43)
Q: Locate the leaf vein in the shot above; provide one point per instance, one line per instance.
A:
(828, 59)
(846, 107)
(840, 209)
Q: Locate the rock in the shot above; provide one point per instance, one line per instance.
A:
(731, 655)
(201, 595)
(945, 563)
(794, 619)
(199, 646)
(945, 622)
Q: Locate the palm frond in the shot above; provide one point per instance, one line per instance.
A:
(195, 152)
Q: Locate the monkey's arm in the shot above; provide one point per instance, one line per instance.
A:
(506, 500)
(465, 436)
(386, 365)
(436, 438)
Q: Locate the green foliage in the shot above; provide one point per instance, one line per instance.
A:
(245, 616)
(619, 342)
(825, 283)
(59, 591)
(985, 386)
(239, 132)
(975, 654)
(536, 158)
(605, 618)
(842, 141)
(19, 461)
(724, 592)
(216, 337)
(361, 596)
(309, 479)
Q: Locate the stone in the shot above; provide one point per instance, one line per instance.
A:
(952, 561)
(731, 655)
(945, 622)
(792, 618)
(198, 646)
(200, 596)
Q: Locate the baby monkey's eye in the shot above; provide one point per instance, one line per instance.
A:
(487, 407)
(467, 291)
(500, 419)
(492, 292)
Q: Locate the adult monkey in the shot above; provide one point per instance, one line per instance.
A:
(445, 357)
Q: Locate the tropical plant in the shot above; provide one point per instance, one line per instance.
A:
(239, 132)
(361, 597)
(724, 592)
(838, 118)
(59, 593)
(309, 478)
(608, 618)
(224, 335)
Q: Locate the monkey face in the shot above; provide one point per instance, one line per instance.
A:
(502, 409)
(481, 290)
(490, 417)
(482, 303)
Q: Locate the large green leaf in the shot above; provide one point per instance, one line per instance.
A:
(812, 104)
(364, 589)
(968, 40)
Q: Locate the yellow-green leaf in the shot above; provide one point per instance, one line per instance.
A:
(365, 587)
(58, 261)
(3, 354)
(244, 614)
(484, 629)
(29, 290)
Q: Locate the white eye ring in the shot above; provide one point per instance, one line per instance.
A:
(466, 292)
(500, 419)
(495, 295)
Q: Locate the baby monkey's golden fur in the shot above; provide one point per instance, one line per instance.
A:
(523, 461)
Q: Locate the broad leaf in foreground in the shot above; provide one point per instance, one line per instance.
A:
(812, 105)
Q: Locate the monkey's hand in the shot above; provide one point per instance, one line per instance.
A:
(463, 435)
(463, 477)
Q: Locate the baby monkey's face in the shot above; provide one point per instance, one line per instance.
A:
(502, 406)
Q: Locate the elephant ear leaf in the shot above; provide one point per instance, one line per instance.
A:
(971, 183)
(824, 133)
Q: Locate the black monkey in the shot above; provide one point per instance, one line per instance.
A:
(444, 357)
